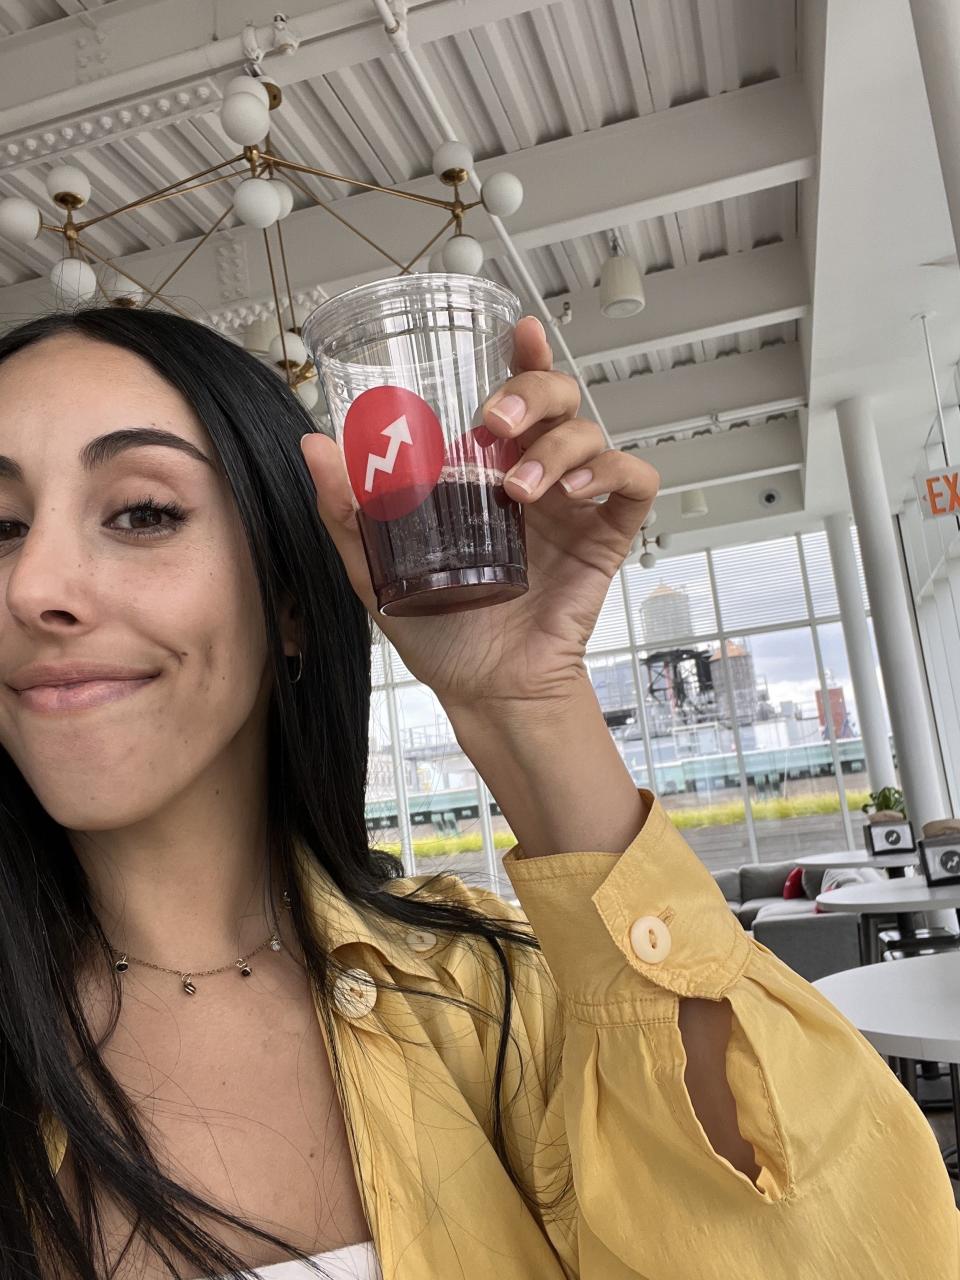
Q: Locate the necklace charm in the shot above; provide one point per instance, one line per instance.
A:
(275, 943)
(188, 986)
(121, 965)
(243, 967)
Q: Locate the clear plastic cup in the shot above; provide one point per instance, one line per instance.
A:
(406, 364)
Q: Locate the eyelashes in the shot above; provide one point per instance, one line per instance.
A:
(145, 506)
(149, 505)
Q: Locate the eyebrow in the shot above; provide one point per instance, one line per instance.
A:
(103, 449)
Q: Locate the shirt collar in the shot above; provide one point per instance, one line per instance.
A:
(339, 923)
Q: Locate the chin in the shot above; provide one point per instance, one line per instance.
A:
(81, 811)
(94, 791)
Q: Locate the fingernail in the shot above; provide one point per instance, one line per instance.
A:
(303, 437)
(543, 331)
(511, 408)
(576, 479)
(527, 475)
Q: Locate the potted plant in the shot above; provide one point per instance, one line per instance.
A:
(887, 829)
(887, 805)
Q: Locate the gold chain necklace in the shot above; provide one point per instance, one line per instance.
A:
(242, 963)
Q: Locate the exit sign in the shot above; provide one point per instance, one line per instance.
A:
(939, 493)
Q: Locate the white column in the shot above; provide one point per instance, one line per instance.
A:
(856, 634)
(887, 591)
(937, 25)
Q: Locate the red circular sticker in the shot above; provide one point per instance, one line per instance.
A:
(394, 449)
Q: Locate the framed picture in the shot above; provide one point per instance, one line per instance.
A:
(940, 859)
(889, 837)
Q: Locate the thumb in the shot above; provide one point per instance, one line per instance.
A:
(335, 506)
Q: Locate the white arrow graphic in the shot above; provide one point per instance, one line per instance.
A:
(398, 433)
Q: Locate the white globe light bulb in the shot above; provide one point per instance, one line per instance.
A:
(247, 84)
(68, 179)
(285, 193)
(436, 261)
(648, 559)
(19, 219)
(258, 336)
(121, 287)
(462, 255)
(296, 351)
(502, 194)
(244, 118)
(73, 281)
(256, 203)
(664, 541)
(308, 392)
(451, 155)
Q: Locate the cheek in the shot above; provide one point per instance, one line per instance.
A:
(121, 763)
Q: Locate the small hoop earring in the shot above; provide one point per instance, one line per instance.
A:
(300, 669)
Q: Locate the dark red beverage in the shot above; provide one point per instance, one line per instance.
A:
(461, 548)
(407, 365)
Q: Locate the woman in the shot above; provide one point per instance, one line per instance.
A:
(231, 1032)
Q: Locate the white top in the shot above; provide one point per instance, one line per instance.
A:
(858, 858)
(909, 894)
(905, 1008)
(355, 1262)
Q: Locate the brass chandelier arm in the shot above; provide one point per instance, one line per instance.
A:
(206, 235)
(139, 283)
(276, 302)
(430, 243)
(85, 255)
(161, 192)
(286, 279)
(350, 227)
(356, 182)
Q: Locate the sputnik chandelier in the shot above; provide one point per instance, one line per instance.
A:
(261, 200)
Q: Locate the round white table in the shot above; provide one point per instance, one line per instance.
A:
(858, 858)
(909, 1010)
(886, 897)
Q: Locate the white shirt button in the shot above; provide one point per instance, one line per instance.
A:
(354, 993)
(650, 939)
(421, 940)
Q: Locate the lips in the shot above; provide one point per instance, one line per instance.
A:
(80, 696)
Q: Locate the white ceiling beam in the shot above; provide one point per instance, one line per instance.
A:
(735, 384)
(707, 300)
(690, 155)
(741, 453)
(683, 158)
(734, 506)
(334, 35)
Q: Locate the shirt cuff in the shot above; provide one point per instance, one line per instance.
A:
(653, 913)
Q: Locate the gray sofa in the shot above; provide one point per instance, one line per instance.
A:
(811, 943)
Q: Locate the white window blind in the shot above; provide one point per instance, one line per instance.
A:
(611, 629)
(856, 551)
(378, 646)
(759, 584)
(823, 589)
(398, 667)
(671, 601)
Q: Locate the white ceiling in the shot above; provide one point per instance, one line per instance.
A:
(771, 168)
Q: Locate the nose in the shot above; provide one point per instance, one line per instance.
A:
(49, 585)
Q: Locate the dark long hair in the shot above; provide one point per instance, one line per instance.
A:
(317, 748)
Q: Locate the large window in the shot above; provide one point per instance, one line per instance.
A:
(724, 681)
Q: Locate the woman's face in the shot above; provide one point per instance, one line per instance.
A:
(83, 578)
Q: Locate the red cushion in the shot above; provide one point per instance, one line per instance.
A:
(793, 887)
(818, 910)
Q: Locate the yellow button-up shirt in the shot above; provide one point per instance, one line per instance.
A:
(852, 1184)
